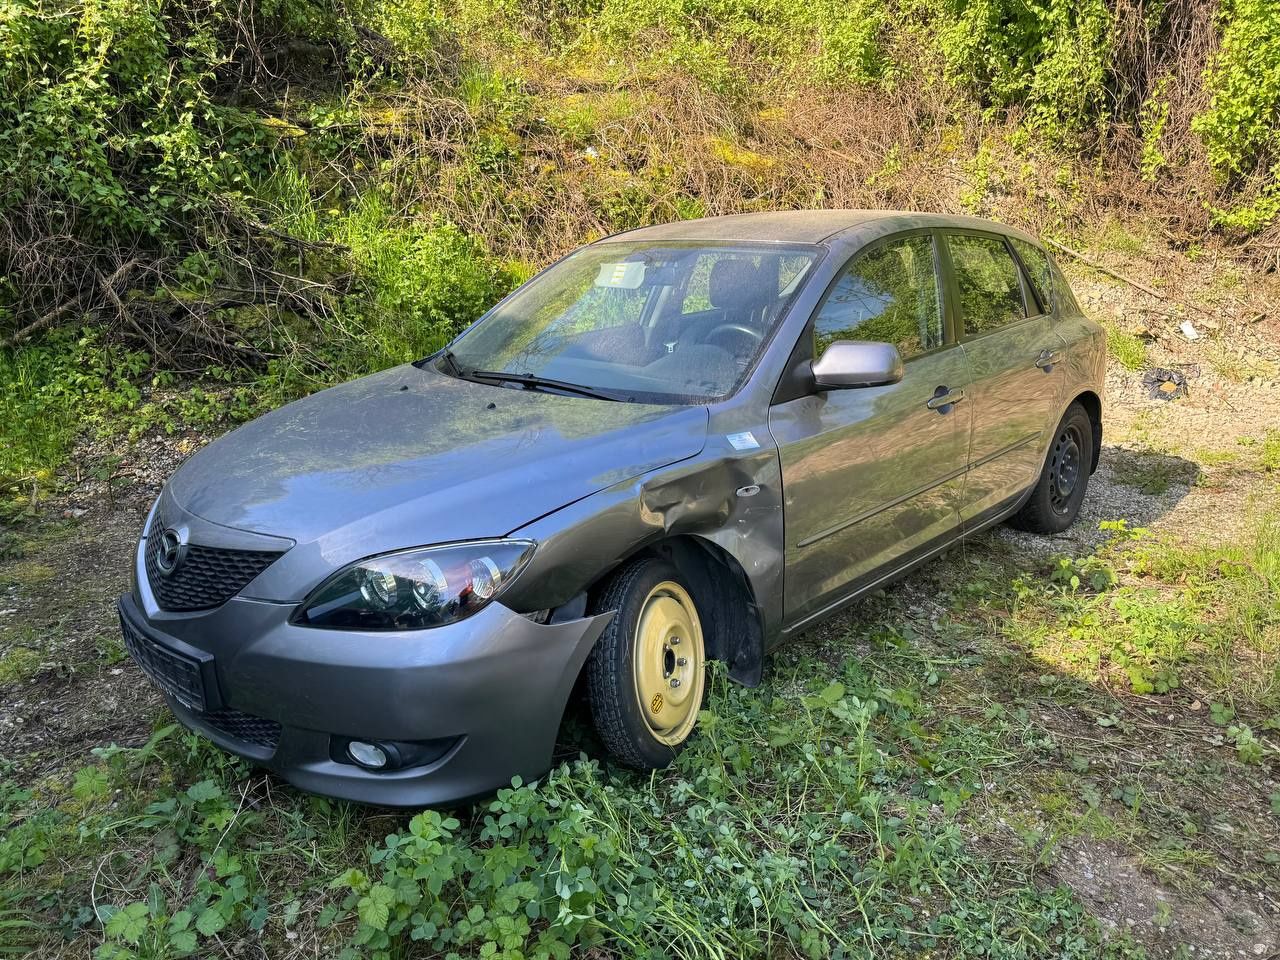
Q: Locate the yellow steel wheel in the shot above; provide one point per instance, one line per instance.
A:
(667, 657)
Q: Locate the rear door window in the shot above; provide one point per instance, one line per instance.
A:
(987, 281)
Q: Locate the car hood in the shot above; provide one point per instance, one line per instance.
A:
(410, 456)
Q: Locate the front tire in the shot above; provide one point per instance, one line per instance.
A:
(646, 674)
(1055, 502)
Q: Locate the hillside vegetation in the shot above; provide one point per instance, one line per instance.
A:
(269, 196)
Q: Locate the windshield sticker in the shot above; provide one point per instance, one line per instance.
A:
(743, 441)
(627, 275)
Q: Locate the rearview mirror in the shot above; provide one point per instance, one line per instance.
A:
(857, 363)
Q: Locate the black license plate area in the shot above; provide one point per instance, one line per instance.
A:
(178, 675)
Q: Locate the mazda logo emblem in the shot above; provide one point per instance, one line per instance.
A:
(170, 553)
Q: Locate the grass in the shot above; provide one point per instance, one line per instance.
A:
(1118, 237)
(1252, 454)
(1150, 614)
(1237, 366)
(1216, 458)
(1269, 454)
(1128, 349)
(18, 664)
(803, 820)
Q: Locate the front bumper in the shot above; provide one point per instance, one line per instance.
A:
(486, 694)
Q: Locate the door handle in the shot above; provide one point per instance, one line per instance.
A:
(944, 399)
(1047, 359)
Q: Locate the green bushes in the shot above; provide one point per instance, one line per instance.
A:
(422, 283)
(113, 149)
(417, 285)
(150, 160)
(1241, 128)
(53, 391)
(1051, 58)
(106, 116)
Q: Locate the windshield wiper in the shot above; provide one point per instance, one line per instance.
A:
(531, 382)
(455, 369)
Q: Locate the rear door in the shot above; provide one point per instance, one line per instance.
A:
(873, 475)
(1015, 359)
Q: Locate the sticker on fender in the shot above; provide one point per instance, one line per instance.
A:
(743, 441)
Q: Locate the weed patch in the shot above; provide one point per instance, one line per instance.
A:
(813, 816)
(1152, 473)
(1148, 610)
(1128, 349)
(18, 664)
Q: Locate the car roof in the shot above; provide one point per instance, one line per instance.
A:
(806, 226)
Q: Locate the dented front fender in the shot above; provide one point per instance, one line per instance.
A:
(726, 496)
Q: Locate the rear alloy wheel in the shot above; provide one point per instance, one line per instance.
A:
(1055, 501)
(647, 672)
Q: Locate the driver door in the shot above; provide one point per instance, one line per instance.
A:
(873, 476)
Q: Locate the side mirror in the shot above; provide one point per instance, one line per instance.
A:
(857, 363)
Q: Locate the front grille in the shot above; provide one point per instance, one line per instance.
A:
(178, 676)
(205, 577)
(244, 726)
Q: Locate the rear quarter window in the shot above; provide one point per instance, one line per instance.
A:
(1039, 272)
(1064, 300)
(988, 282)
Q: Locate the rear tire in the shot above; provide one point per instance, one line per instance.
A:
(1055, 501)
(646, 675)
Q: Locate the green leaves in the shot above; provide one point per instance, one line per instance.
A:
(204, 790)
(146, 927)
(374, 909)
(1249, 749)
(1239, 128)
(128, 924)
(832, 694)
(1221, 713)
(182, 940)
(91, 782)
(210, 921)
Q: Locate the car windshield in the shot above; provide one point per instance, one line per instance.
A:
(652, 323)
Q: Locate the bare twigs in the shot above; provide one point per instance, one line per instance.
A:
(1103, 268)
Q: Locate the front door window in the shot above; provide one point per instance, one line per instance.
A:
(889, 295)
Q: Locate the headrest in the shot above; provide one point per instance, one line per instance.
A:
(735, 284)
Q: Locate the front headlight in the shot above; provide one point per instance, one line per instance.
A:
(415, 589)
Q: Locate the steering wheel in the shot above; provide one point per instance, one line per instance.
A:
(735, 329)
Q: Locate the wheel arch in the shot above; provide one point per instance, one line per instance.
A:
(732, 621)
(1092, 404)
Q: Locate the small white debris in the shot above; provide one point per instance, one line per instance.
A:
(1189, 330)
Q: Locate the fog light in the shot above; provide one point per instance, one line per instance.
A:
(368, 755)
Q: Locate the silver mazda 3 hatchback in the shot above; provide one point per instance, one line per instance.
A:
(682, 443)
